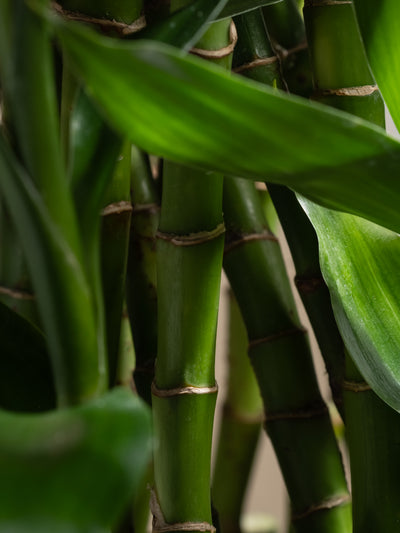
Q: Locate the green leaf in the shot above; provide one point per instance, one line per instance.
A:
(380, 30)
(73, 470)
(360, 262)
(63, 293)
(26, 380)
(189, 111)
(237, 7)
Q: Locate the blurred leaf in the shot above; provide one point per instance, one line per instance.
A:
(63, 294)
(360, 262)
(186, 110)
(72, 470)
(380, 28)
(237, 7)
(26, 380)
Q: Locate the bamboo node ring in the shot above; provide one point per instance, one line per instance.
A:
(161, 526)
(277, 336)
(243, 238)
(362, 90)
(146, 208)
(259, 62)
(222, 52)
(192, 239)
(181, 391)
(330, 503)
(356, 386)
(321, 3)
(121, 27)
(300, 414)
(116, 208)
(17, 294)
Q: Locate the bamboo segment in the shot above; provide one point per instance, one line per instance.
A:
(189, 261)
(297, 420)
(372, 426)
(141, 282)
(240, 428)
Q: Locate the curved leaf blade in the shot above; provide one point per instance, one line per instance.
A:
(238, 7)
(380, 29)
(360, 262)
(188, 111)
(73, 470)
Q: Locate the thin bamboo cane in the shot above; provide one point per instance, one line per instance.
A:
(141, 282)
(373, 428)
(189, 259)
(240, 428)
(297, 419)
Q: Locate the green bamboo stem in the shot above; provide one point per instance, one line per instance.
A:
(141, 282)
(286, 29)
(240, 428)
(297, 419)
(189, 261)
(373, 459)
(126, 11)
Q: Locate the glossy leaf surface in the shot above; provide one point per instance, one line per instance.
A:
(72, 470)
(237, 7)
(188, 111)
(380, 28)
(360, 262)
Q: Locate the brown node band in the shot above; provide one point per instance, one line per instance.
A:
(308, 285)
(181, 391)
(192, 239)
(121, 27)
(249, 237)
(284, 53)
(222, 52)
(300, 414)
(116, 208)
(146, 208)
(336, 501)
(161, 526)
(356, 386)
(259, 62)
(277, 336)
(362, 90)
(17, 294)
(319, 3)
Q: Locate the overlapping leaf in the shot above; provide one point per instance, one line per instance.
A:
(72, 470)
(380, 29)
(188, 111)
(361, 266)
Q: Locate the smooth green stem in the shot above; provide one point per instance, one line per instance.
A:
(297, 419)
(240, 428)
(141, 282)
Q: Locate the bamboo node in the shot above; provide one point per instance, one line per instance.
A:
(120, 27)
(117, 208)
(335, 501)
(233, 241)
(222, 52)
(17, 294)
(300, 414)
(308, 285)
(146, 208)
(356, 386)
(192, 239)
(362, 90)
(259, 62)
(321, 3)
(243, 418)
(181, 391)
(277, 336)
(161, 526)
(283, 53)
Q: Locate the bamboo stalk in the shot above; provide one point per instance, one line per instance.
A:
(297, 419)
(189, 261)
(141, 283)
(240, 428)
(372, 428)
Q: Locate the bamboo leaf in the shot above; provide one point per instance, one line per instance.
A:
(237, 7)
(186, 110)
(72, 470)
(26, 380)
(360, 262)
(380, 28)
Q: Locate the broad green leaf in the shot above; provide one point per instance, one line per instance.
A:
(237, 7)
(63, 294)
(75, 470)
(26, 379)
(360, 262)
(187, 110)
(380, 29)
